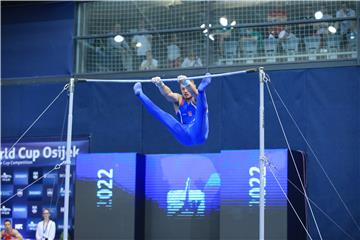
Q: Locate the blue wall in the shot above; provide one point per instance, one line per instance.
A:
(36, 40)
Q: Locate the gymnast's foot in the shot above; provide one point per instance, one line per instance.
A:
(137, 89)
(205, 82)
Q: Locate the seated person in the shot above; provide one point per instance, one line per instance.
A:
(192, 60)
(345, 27)
(149, 63)
(173, 53)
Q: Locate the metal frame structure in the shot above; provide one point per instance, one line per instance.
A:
(69, 139)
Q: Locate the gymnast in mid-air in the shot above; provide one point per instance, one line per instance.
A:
(191, 108)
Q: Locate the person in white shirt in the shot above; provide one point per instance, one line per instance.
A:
(46, 229)
(192, 60)
(118, 51)
(344, 12)
(149, 63)
(173, 53)
(346, 27)
(141, 43)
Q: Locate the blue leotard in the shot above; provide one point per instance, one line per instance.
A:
(193, 129)
(186, 111)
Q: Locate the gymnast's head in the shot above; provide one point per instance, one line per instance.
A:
(185, 86)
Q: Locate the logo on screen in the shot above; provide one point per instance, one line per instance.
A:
(35, 192)
(62, 191)
(34, 209)
(35, 175)
(49, 192)
(19, 212)
(6, 190)
(5, 211)
(186, 202)
(31, 226)
(19, 226)
(6, 177)
(21, 178)
(19, 192)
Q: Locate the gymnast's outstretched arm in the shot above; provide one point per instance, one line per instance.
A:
(166, 91)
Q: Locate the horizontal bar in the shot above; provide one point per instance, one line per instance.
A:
(166, 79)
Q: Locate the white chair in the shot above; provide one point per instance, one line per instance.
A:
(270, 47)
(249, 47)
(352, 43)
(291, 47)
(333, 46)
(230, 50)
(312, 45)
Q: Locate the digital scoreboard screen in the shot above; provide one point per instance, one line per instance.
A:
(240, 194)
(183, 196)
(186, 192)
(105, 196)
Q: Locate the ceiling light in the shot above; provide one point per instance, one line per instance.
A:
(332, 29)
(223, 21)
(319, 15)
(118, 38)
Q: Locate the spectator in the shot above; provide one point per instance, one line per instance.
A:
(345, 27)
(173, 53)
(286, 33)
(322, 28)
(119, 53)
(226, 42)
(46, 229)
(230, 42)
(95, 50)
(277, 15)
(9, 233)
(141, 43)
(192, 60)
(288, 41)
(149, 63)
(251, 33)
(306, 29)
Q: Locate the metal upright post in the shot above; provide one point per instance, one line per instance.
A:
(68, 158)
(262, 155)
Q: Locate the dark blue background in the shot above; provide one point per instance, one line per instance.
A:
(36, 40)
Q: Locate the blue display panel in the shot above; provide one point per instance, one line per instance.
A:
(28, 162)
(241, 177)
(240, 194)
(183, 184)
(105, 191)
(188, 193)
(177, 181)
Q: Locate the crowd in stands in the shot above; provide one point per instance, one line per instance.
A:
(136, 52)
